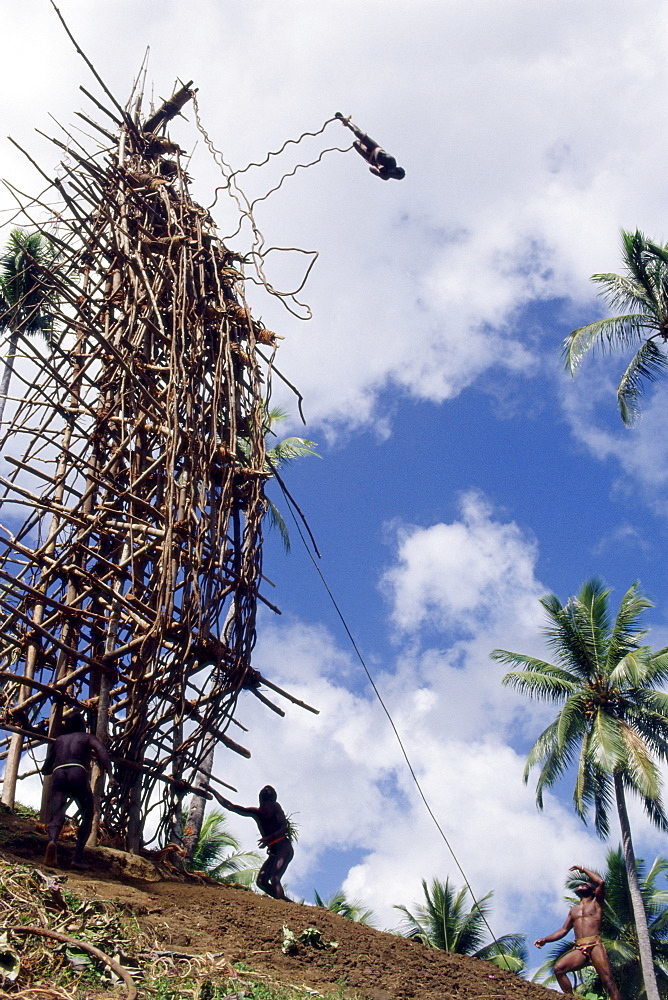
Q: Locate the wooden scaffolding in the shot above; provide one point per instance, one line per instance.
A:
(133, 497)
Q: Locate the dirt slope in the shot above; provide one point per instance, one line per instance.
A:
(248, 927)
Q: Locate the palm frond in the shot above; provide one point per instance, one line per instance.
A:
(627, 630)
(290, 449)
(641, 257)
(350, 909)
(541, 680)
(624, 292)
(572, 720)
(656, 666)
(240, 868)
(217, 853)
(546, 744)
(575, 632)
(629, 672)
(507, 952)
(639, 770)
(411, 927)
(553, 766)
(590, 615)
(276, 520)
(649, 364)
(607, 335)
(608, 745)
(650, 725)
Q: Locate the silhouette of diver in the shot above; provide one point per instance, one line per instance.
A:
(380, 163)
(273, 826)
(67, 760)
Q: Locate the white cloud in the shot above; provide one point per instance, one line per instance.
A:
(343, 771)
(641, 451)
(507, 119)
(457, 574)
(343, 776)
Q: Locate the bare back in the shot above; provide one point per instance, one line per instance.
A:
(76, 748)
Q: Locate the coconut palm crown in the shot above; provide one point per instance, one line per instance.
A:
(642, 293)
(26, 294)
(613, 722)
(444, 922)
(217, 853)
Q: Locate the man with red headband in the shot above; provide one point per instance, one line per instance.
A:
(585, 919)
(273, 826)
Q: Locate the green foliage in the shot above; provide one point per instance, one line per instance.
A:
(618, 931)
(281, 454)
(292, 828)
(350, 909)
(642, 293)
(443, 921)
(310, 936)
(613, 719)
(168, 988)
(26, 293)
(217, 853)
(25, 812)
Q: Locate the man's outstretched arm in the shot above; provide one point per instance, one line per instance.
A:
(240, 810)
(557, 935)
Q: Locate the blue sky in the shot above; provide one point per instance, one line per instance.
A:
(463, 474)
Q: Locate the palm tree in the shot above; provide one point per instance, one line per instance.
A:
(618, 931)
(612, 723)
(232, 868)
(25, 294)
(350, 909)
(642, 293)
(444, 922)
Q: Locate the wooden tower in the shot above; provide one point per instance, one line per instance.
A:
(133, 498)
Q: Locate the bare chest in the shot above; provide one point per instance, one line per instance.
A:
(587, 910)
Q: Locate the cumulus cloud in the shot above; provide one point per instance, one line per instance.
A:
(640, 451)
(343, 772)
(505, 116)
(456, 574)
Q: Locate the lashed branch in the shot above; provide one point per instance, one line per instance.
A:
(131, 589)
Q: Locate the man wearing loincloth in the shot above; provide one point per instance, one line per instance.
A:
(585, 918)
(274, 828)
(67, 761)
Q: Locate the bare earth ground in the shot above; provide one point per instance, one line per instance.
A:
(248, 928)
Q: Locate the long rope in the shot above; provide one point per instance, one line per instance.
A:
(378, 695)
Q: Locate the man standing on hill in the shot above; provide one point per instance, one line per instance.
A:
(585, 918)
(274, 828)
(67, 760)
